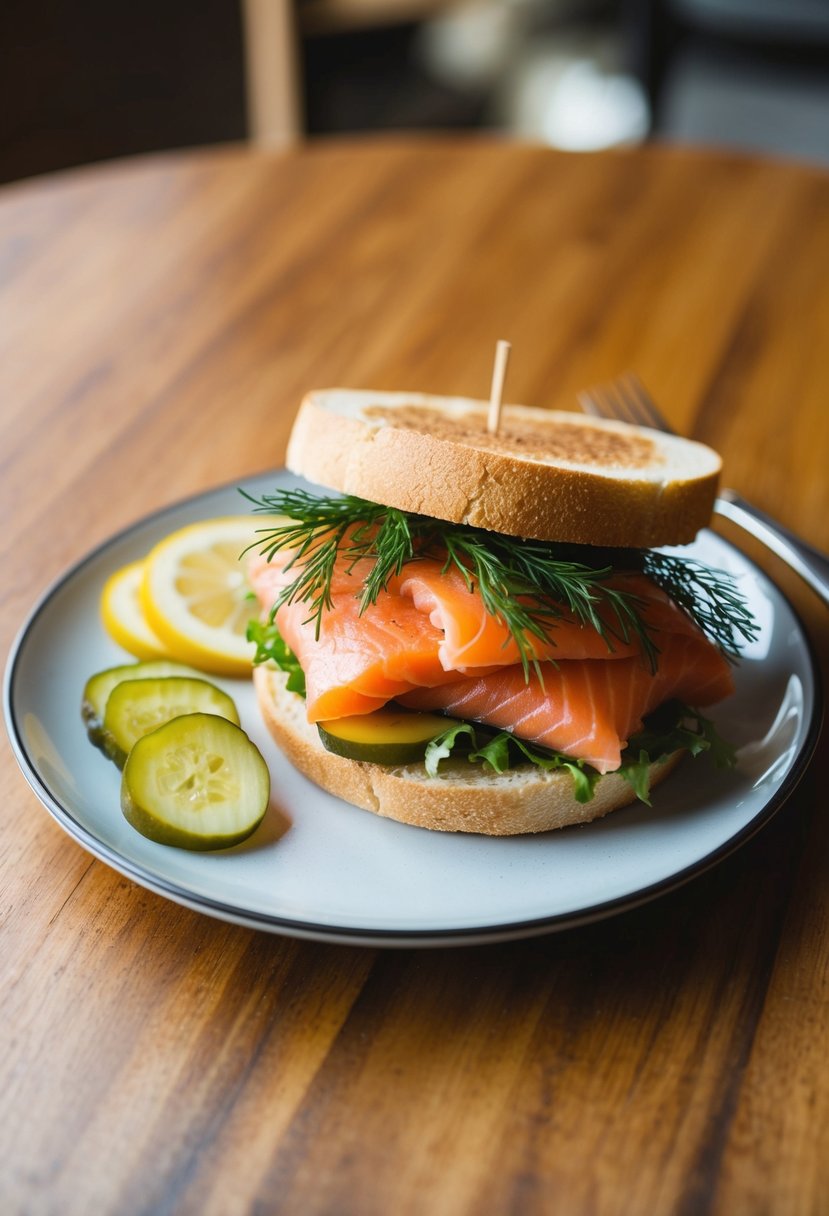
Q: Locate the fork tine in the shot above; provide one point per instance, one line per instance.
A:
(625, 399)
(589, 403)
(642, 405)
(624, 404)
(605, 401)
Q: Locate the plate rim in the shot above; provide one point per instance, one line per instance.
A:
(364, 935)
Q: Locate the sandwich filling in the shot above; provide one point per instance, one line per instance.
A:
(428, 640)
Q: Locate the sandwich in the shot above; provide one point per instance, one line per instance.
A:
(476, 631)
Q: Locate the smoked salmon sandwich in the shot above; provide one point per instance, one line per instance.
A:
(476, 631)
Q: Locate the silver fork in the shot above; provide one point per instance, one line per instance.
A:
(627, 400)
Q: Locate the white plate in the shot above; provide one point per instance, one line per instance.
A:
(321, 869)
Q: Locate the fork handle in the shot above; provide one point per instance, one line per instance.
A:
(809, 563)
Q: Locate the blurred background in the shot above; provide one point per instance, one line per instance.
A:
(93, 80)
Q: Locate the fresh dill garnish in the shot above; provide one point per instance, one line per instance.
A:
(709, 596)
(320, 529)
(526, 584)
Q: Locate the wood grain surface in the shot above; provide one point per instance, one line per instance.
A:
(159, 322)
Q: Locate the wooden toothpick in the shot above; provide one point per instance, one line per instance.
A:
(499, 373)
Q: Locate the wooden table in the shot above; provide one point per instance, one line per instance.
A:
(160, 321)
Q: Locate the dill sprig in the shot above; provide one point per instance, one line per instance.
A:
(319, 530)
(526, 584)
(709, 596)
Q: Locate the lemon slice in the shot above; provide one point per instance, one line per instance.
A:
(123, 616)
(195, 594)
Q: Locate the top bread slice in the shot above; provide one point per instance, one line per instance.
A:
(546, 475)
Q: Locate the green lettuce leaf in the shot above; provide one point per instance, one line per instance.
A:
(502, 752)
(635, 769)
(673, 727)
(270, 645)
(441, 747)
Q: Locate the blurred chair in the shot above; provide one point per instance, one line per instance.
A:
(274, 32)
(272, 72)
(94, 80)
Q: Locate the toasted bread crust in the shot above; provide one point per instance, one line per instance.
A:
(547, 475)
(463, 798)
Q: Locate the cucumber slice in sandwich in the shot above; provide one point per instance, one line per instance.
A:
(386, 736)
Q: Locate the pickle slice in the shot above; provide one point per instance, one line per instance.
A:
(197, 783)
(135, 707)
(386, 736)
(98, 687)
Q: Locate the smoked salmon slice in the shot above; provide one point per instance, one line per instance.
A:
(429, 643)
(588, 709)
(359, 661)
(472, 638)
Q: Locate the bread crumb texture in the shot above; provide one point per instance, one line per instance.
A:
(544, 439)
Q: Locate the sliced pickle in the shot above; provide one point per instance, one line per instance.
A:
(197, 783)
(135, 707)
(98, 687)
(386, 736)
